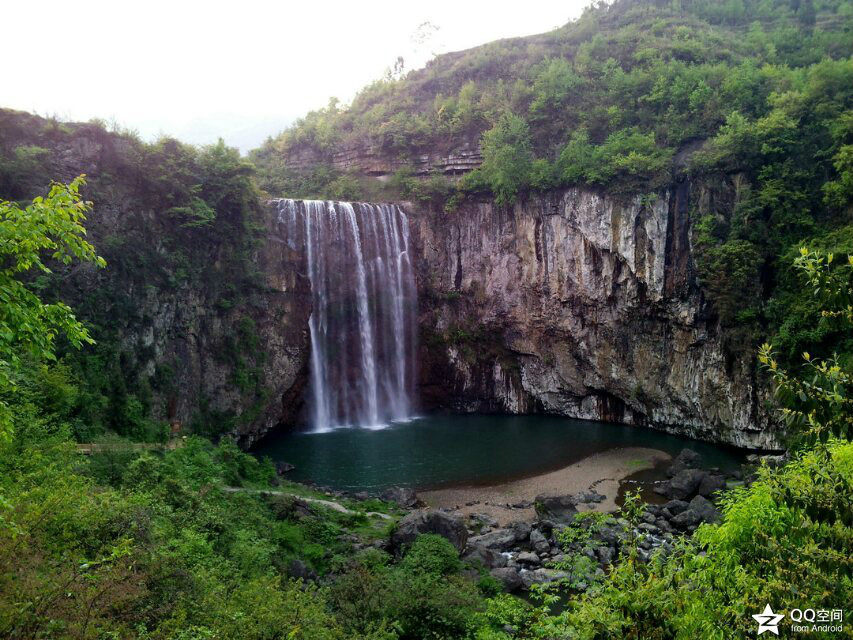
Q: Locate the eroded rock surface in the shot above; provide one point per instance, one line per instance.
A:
(580, 305)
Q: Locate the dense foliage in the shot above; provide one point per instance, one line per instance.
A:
(607, 99)
(174, 222)
(28, 327)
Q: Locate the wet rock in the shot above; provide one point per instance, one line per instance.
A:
(686, 459)
(683, 484)
(663, 525)
(361, 495)
(529, 577)
(488, 558)
(699, 510)
(500, 539)
(676, 506)
(521, 530)
(416, 523)
(527, 558)
(282, 467)
(710, 484)
(559, 509)
(523, 504)
(507, 576)
(539, 542)
(404, 497)
(611, 535)
(648, 528)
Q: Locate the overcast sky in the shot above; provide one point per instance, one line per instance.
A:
(241, 69)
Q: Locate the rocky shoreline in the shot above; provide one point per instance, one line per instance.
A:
(572, 531)
(576, 537)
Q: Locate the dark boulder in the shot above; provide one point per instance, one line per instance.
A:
(539, 542)
(299, 570)
(508, 577)
(557, 509)
(477, 554)
(700, 510)
(404, 497)
(521, 531)
(683, 485)
(676, 506)
(687, 459)
(503, 539)
(710, 484)
(429, 521)
(282, 467)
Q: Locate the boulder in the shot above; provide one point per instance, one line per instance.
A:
(521, 530)
(499, 539)
(686, 459)
(528, 558)
(699, 510)
(508, 577)
(282, 467)
(557, 509)
(676, 506)
(416, 523)
(298, 569)
(539, 542)
(605, 555)
(587, 497)
(683, 484)
(404, 497)
(483, 520)
(710, 484)
(478, 554)
(539, 576)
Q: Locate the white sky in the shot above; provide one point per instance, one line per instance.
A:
(241, 69)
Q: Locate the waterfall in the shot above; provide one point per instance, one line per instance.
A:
(363, 307)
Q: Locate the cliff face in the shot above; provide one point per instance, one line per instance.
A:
(579, 305)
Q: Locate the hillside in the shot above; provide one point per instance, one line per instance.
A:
(633, 98)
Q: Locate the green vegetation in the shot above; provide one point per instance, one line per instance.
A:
(175, 223)
(786, 538)
(608, 99)
(28, 327)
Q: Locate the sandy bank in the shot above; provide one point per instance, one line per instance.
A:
(601, 472)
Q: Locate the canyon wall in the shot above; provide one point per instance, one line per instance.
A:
(581, 305)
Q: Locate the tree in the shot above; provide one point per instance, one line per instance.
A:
(507, 159)
(52, 229)
(820, 403)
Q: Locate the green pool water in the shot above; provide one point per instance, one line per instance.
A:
(448, 450)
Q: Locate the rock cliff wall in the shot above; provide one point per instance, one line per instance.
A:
(580, 305)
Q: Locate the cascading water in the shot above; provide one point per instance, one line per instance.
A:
(363, 300)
